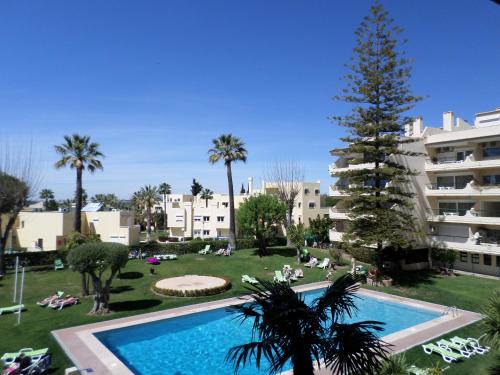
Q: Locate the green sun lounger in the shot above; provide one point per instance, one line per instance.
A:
(249, 279)
(34, 354)
(11, 309)
(472, 343)
(205, 251)
(447, 355)
(278, 276)
(461, 348)
(58, 265)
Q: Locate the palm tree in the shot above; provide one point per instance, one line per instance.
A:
(147, 198)
(79, 153)
(228, 148)
(207, 194)
(108, 200)
(287, 329)
(46, 195)
(491, 322)
(165, 189)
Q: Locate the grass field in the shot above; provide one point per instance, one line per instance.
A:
(132, 295)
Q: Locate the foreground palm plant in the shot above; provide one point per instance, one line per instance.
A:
(491, 322)
(286, 329)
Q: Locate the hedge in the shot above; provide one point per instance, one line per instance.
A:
(194, 246)
(35, 258)
(193, 293)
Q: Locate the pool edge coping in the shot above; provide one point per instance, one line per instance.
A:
(87, 352)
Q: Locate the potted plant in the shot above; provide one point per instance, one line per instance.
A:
(387, 281)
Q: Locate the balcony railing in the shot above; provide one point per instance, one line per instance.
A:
(463, 212)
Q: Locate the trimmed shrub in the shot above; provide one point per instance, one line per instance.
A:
(191, 247)
(194, 293)
(35, 258)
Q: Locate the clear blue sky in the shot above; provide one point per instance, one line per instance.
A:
(154, 81)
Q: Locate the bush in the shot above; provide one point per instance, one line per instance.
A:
(194, 293)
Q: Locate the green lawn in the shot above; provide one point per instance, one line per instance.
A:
(132, 295)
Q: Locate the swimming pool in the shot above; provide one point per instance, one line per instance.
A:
(198, 343)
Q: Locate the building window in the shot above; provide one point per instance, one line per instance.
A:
(312, 205)
(464, 257)
(179, 218)
(22, 224)
(197, 232)
(475, 258)
(498, 260)
(316, 191)
(225, 204)
(220, 219)
(197, 218)
(490, 152)
(206, 232)
(206, 218)
(306, 191)
(487, 259)
(300, 204)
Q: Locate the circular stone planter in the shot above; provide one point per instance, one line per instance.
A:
(191, 286)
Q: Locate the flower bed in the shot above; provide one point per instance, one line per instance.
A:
(224, 284)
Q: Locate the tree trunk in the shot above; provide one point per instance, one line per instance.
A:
(77, 227)
(85, 285)
(232, 222)
(302, 362)
(101, 297)
(4, 237)
(288, 223)
(148, 224)
(164, 212)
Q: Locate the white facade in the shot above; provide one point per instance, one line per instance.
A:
(457, 190)
(189, 216)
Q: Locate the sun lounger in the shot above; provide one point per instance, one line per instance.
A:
(47, 301)
(312, 263)
(11, 309)
(8, 358)
(166, 256)
(472, 343)
(455, 346)
(447, 355)
(299, 273)
(324, 264)
(62, 303)
(278, 276)
(220, 252)
(205, 251)
(58, 265)
(248, 279)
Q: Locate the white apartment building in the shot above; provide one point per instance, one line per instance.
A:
(189, 216)
(457, 202)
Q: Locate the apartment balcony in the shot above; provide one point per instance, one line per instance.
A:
(336, 170)
(463, 217)
(335, 236)
(472, 189)
(337, 191)
(452, 164)
(467, 244)
(338, 213)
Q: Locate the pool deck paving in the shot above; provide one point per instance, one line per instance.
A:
(91, 356)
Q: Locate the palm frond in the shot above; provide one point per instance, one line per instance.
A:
(339, 298)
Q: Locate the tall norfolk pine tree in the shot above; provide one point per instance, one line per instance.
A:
(378, 89)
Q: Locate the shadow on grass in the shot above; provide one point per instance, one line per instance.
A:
(140, 304)
(130, 275)
(414, 278)
(281, 251)
(121, 289)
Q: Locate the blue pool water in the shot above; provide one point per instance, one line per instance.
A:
(198, 343)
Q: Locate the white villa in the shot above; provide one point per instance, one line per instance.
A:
(189, 216)
(457, 201)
